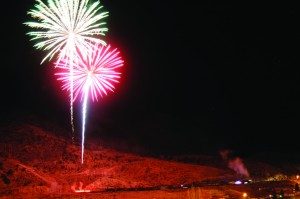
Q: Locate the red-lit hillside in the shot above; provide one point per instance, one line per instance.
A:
(35, 160)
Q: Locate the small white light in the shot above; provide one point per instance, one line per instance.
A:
(238, 182)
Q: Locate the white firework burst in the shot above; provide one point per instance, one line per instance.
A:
(65, 25)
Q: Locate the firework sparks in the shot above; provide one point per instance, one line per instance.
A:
(65, 25)
(94, 74)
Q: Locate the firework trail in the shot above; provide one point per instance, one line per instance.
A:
(94, 74)
(64, 25)
(84, 110)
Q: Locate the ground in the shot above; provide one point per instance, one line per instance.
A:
(44, 162)
(34, 159)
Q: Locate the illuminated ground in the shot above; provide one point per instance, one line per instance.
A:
(43, 162)
(38, 161)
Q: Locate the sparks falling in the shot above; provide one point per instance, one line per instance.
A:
(94, 74)
(65, 25)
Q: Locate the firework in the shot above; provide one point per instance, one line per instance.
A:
(63, 26)
(94, 74)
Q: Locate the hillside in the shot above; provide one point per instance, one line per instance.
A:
(36, 160)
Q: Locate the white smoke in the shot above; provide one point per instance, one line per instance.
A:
(235, 164)
(238, 166)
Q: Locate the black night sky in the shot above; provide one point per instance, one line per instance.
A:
(198, 77)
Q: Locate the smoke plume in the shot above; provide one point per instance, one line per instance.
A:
(238, 166)
(234, 163)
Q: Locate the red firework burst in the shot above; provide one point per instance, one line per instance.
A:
(94, 71)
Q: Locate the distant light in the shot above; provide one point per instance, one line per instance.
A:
(182, 186)
(82, 191)
(297, 177)
(238, 182)
(245, 195)
(246, 182)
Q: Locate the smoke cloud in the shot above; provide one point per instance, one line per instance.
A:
(234, 163)
(238, 166)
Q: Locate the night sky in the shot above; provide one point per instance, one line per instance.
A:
(198, 77)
